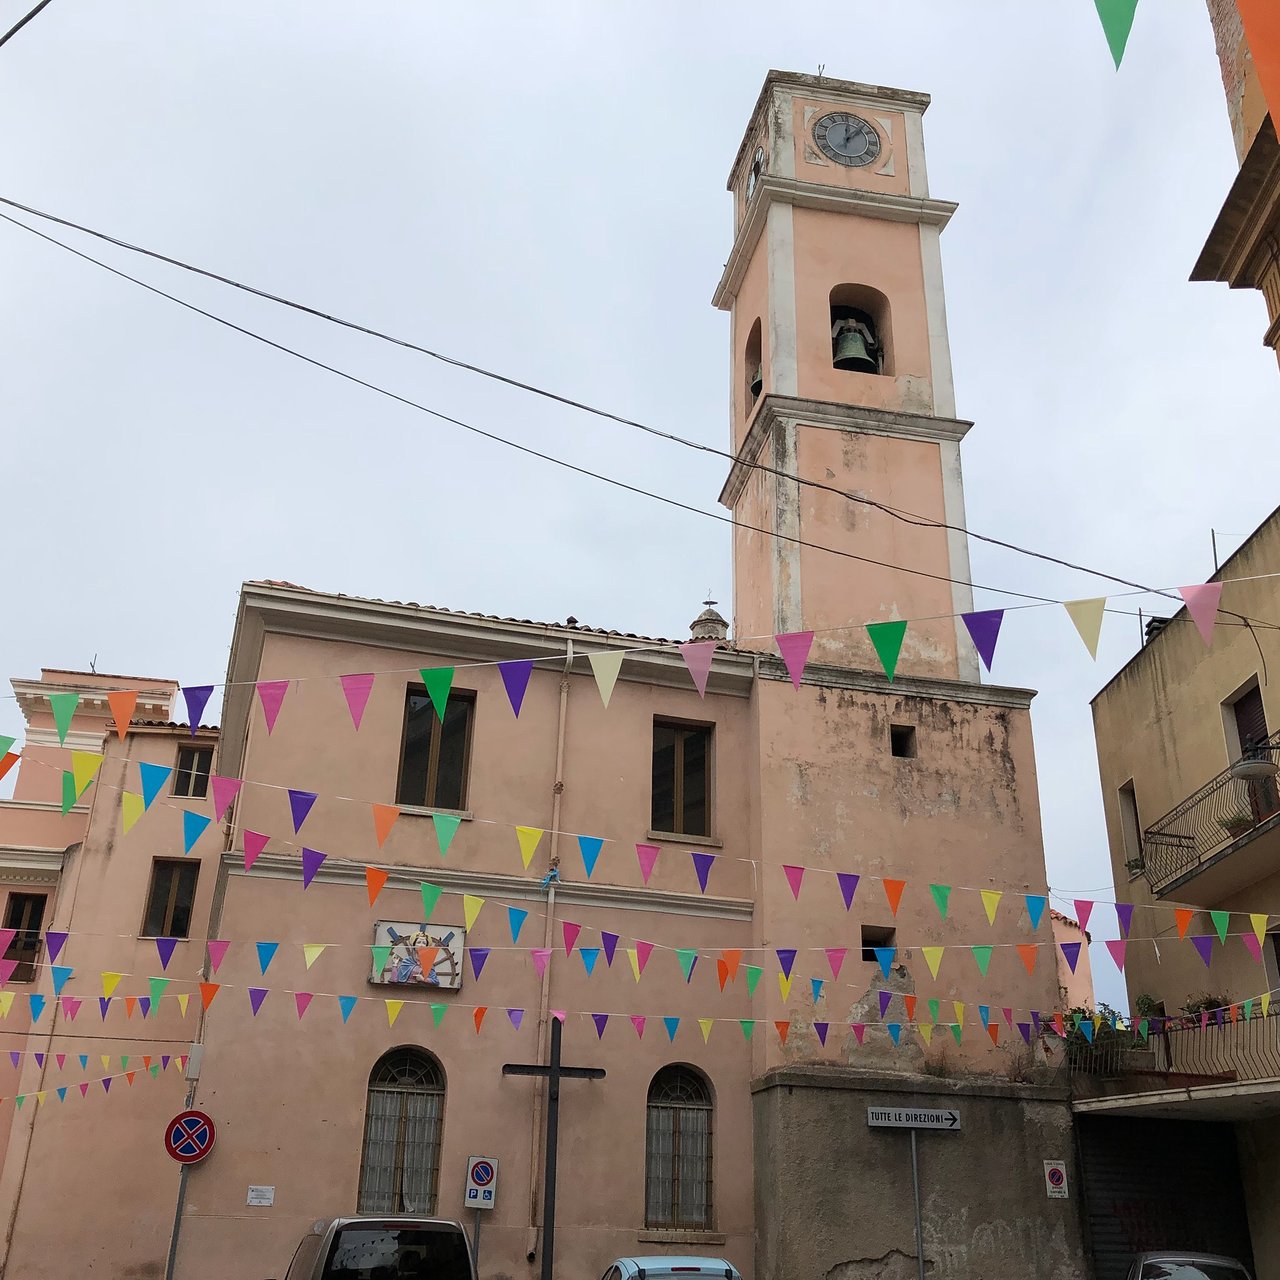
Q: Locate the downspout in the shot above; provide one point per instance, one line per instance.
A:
(536, 1153)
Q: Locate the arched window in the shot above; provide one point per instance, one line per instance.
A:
(753, 367)
(400, 1164)
(678, 1150)
(861, 334)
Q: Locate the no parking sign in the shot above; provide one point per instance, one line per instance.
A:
(482, 1183)
(1055, 1179)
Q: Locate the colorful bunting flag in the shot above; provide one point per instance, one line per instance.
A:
(1117, 22)
(786, 958)
(516, 1017)
(197, 698)
(941, 897)
(1086, 616)
(688, 958)
(131, 809)
(991, 903)
(63, 706)
(884, 958)
(672, 1025)
(478, 956)
(610, 942)
(589, 847)
(254, 843)
(794, 647)
(300, 803)
(54, 941)
(122, 703)
(835, 958)
(1071, 953)
(1221, 922)
(430, 897)
(795, 878)
(589, 956)
(256, 996)
(570, 932)
(393, 1010)
(1028, 952)
(225, 791)
(1117, 948)
(1204, 946)
(312, 951)
(356, 689)
(541, 957)
(984, 630)
(1035, 908)
(702, 865)
(601, 1021)
(301, 1000)
(933, 958)
(886, 638)
(1124, 917)
(266, 953)
(217, 953)
(647, 855)
(515, 679)
(164, 949)
(194, 826)
(1084, 909)
(312, 861)
(471, 909)
(1183, 917)
(516, 916)
(848, 887)
(697, 655)
(271, 695)
(893, 892)
(439, 680)
(84, 765)
(384, 818)
(528, 838)
(153, 777)
(347, 1003)
(605, 667)
(375, 879)
(982, 957)
(638, 1021)
(1202, 604)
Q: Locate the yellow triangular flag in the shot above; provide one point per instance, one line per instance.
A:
(926, 1032)
(393, 1011)
(40, 1097)
(6, 1003)
(784, 985)
(84, 764)
(933, 958)
(1259, 922)
(106, 1063)
(706, 1024)
(131, 809)
(312, 951)
(1087, 616)
(958, 1005)
(605, 667)
(110, 981)
(991, 901)
(528, 837)
(634, 957)
(182, 1003)
(1266, 1002)
(471, 908)
(1097, 1022)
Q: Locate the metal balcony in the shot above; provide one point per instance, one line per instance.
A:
(1218, 822)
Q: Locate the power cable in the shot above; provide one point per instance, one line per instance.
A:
(22, 22)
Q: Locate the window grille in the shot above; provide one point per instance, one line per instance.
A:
(400, 1164)
(678, 1151)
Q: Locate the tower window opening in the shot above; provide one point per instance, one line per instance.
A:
(753, 363)
(860, 337)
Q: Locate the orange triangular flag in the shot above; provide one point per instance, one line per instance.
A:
(146, 1060)
(122, 704)
(993, 1030)
(427, 957)
(722, 973)
(479, 1015)
(1028, 951)
(1184, 916)
(207, 991)
(910, 1002)
(893, 891)
(732, 958)
(128, 1075)
(384, 818)
(130, 1003)
(783, 1028)
(7, 761)
(375, 878)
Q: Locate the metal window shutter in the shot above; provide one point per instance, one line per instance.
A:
(1251, 721)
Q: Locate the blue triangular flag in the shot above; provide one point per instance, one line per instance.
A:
(589, 957)
(589, 847)
(884, 958)
(153, 776)
(816, 984)
(61, 973)
(37, 1003)
(516, 917)
(84, 1061)
(193, 827)
(266, 953)
(895, 1030)
(1035, 908)
(346, 1004)
(62, 1093)
(671, 1024)
(984, 1012)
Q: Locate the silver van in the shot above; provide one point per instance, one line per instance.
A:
(394, 1247)
(1172, 1265)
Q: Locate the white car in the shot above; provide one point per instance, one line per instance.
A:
(1174, 1265)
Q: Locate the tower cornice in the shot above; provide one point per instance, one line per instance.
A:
(813, 195)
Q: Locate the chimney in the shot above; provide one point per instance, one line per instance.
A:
(1154, 627)
(709, 625)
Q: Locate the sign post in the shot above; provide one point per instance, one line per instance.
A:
(913, 1119)
(481, 1193)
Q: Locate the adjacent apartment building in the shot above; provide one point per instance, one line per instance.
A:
(763, 907)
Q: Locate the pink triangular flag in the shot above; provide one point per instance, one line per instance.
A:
(648, 855)
(1202, 604)
(795, 877)
(835, 958)
(217, 953)
(643, 951)
(225, 791)
(697, 655)
(540, 956)
(1255, 947)
(637, 1021)
(1117, 948)
(1084, 909)
(859, 1030)
(357, 690)
(302, 999)
(794, 647)
(571, 932)
(271, 693)
(254, 843)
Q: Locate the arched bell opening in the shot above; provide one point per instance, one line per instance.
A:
(861, 335)
(753, 367)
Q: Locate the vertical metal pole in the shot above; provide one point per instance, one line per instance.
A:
(915, 1190)
(475, 1241)
(182, 1195)
(1213, 534)
(553, 1134)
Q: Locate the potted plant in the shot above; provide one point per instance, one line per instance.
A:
(1135, 866)
(1237, 823)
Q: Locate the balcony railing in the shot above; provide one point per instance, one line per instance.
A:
(1224, 810)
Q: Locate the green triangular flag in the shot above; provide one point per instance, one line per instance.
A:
(6, 744)
(157, 989)
(124, 1062)
(1117, 22)
(933, 1011)
(439, 680)
(1144, 1028)
(430, 896)
(68, 790)
(380, 957)
(753, 976)
(437, 1013)
(941, 896)
(154, 1068)
(63, 706)
(1248, 1010)
(748, 1026)
(887, 638)
(983, 956)
(1221, 922)
(686, 956)
(957, 1030)
(446, 828)
(20, 1099)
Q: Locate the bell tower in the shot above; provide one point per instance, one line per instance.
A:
(841, 375)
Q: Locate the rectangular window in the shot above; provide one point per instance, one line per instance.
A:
(1130, 828)
(902, 740)
(873, 936)
(24, 913)
(1250, 718)
(435, 756)
(170, 899)
(681, 778)
(191, 777)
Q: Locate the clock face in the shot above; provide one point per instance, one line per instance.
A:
(846, 139)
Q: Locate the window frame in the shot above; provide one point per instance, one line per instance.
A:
(677, 799)
(466, 696)
(440, 1089)
(25, 970)
(180, 864)
(195, 749)
(907, 735)
(670, 1219)
(866, 948)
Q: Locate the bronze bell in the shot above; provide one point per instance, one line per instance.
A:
(851, 352)
(757, 382)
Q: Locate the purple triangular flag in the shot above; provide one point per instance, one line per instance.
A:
(1124, 916)
(478, 956)
(164, 947)
(1204, 945)
(702, 865)
(821, 1029)
(144, 1004)
(1035, 1022)
(1024, 1030)
(15, 1056)
(312, 861)
(40, 1060)
(786, 958)
(256, 996)
(984, 631)
(300, 803)
(601, 1020)
(515, 677)
(1071, 950)
(196, 697)
(848, 887)
(609, 941)
(516, 1016)
(885, 998)
(104, 1003)
(54, 942)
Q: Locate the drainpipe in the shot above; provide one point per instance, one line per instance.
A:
(536, 1144)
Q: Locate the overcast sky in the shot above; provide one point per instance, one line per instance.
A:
(540, 188)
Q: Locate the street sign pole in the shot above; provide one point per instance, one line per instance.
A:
(182, 1195)
(915, 1191)
(475, 1242)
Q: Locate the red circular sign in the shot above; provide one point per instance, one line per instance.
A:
(188, 1137)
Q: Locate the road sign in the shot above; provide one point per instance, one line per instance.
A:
(482, 1183)
(906, 1118)
(189, 1136)
(1055, 1179)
